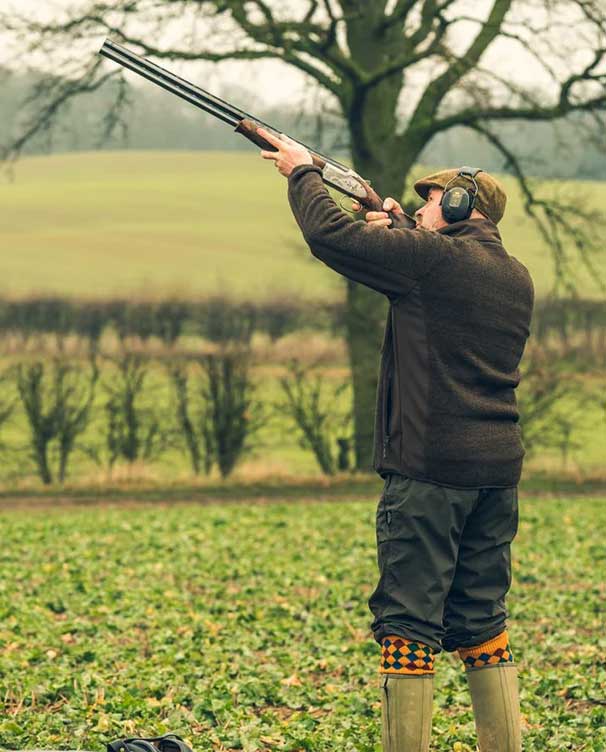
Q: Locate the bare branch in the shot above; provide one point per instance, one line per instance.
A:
(56, 93)
(558, 223)
(564, 106)
(426, 110)
(399, 13)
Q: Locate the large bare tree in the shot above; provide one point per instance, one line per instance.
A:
(399, 72)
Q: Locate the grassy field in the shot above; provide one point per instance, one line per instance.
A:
(246, 627)
(161, 222)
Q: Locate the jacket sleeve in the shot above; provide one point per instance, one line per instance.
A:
(386, 259)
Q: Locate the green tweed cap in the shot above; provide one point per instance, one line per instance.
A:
(491, 197)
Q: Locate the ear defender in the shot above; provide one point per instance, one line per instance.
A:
(457, 203)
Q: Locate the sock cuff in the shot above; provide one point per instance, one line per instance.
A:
(405, 657)
(494, 651)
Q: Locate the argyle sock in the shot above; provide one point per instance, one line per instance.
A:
(405, 657)
(490, 653)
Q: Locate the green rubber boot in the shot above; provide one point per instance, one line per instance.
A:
(406, 707)
(496, 707)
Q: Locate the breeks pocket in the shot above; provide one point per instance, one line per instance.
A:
(392, 511)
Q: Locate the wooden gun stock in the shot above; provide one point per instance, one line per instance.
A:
(334, 174)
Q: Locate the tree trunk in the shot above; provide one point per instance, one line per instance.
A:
(365, 314)
(378, 156)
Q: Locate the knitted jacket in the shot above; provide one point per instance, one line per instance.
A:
(458, 321)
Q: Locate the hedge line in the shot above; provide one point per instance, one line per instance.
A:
(215, 318)
(219, 319)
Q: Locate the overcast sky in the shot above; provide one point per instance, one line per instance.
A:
(277, 82)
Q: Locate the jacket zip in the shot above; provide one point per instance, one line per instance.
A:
(386, 415)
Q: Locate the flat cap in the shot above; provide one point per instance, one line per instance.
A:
(491, 197)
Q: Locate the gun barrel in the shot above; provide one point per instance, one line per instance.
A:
(166, 80)
(189, 92)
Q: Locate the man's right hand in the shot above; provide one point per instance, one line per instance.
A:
(380, 219)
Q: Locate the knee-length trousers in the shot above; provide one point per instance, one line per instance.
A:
(444, 562)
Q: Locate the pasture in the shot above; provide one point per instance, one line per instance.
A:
(245, 626)
(94, 224)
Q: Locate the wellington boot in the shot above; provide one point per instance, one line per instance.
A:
(406, 707)
(496, 707)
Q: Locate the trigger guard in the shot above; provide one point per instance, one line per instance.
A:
(345, 209)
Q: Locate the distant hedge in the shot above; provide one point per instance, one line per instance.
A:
(216, 318)
(563, 320)
(570, 323)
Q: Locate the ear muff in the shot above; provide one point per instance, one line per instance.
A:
(457, 203)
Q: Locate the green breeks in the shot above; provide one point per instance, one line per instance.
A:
(444, 563)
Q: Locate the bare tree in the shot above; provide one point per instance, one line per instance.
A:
(57, 400)
(398, 72)
(315, 411)
(193, 418)
(232, 412)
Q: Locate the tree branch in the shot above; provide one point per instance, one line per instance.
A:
(439, 87)
(564, 106)
(557, 222)
(56, 93)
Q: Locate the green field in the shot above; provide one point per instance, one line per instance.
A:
(176, 222)
(245, 627)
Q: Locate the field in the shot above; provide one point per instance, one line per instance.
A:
(241, 622)
(145, 222)
(245, 626)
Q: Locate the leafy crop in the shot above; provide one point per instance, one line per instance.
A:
(245, 626)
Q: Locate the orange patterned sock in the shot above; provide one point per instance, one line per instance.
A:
(402, 656)
(489, 653)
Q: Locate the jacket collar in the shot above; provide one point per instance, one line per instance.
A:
(483, 230)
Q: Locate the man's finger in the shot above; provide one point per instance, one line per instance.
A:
(356, 205)
(381, 222)
(273, 140)
(373, 216)
(390, 204)
(270, 154)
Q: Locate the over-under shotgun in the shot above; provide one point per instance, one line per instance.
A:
(335, 174)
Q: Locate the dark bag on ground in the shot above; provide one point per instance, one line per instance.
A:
(165, 743)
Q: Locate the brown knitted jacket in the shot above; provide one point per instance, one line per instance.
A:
(459, 318)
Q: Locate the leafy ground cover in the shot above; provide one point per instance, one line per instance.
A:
(93, 224)
(245, 626)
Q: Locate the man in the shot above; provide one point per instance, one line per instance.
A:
(447, 438)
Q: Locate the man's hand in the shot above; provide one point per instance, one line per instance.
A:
(380, 219)
(290, 154)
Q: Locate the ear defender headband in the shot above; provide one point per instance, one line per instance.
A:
(457, 203)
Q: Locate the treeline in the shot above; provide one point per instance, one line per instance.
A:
(131, 408)
(155, 120)
(216, 318)
(574, 327)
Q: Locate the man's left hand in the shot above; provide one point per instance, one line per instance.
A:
(290, 154)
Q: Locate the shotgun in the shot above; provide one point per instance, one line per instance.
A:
(337, 175)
